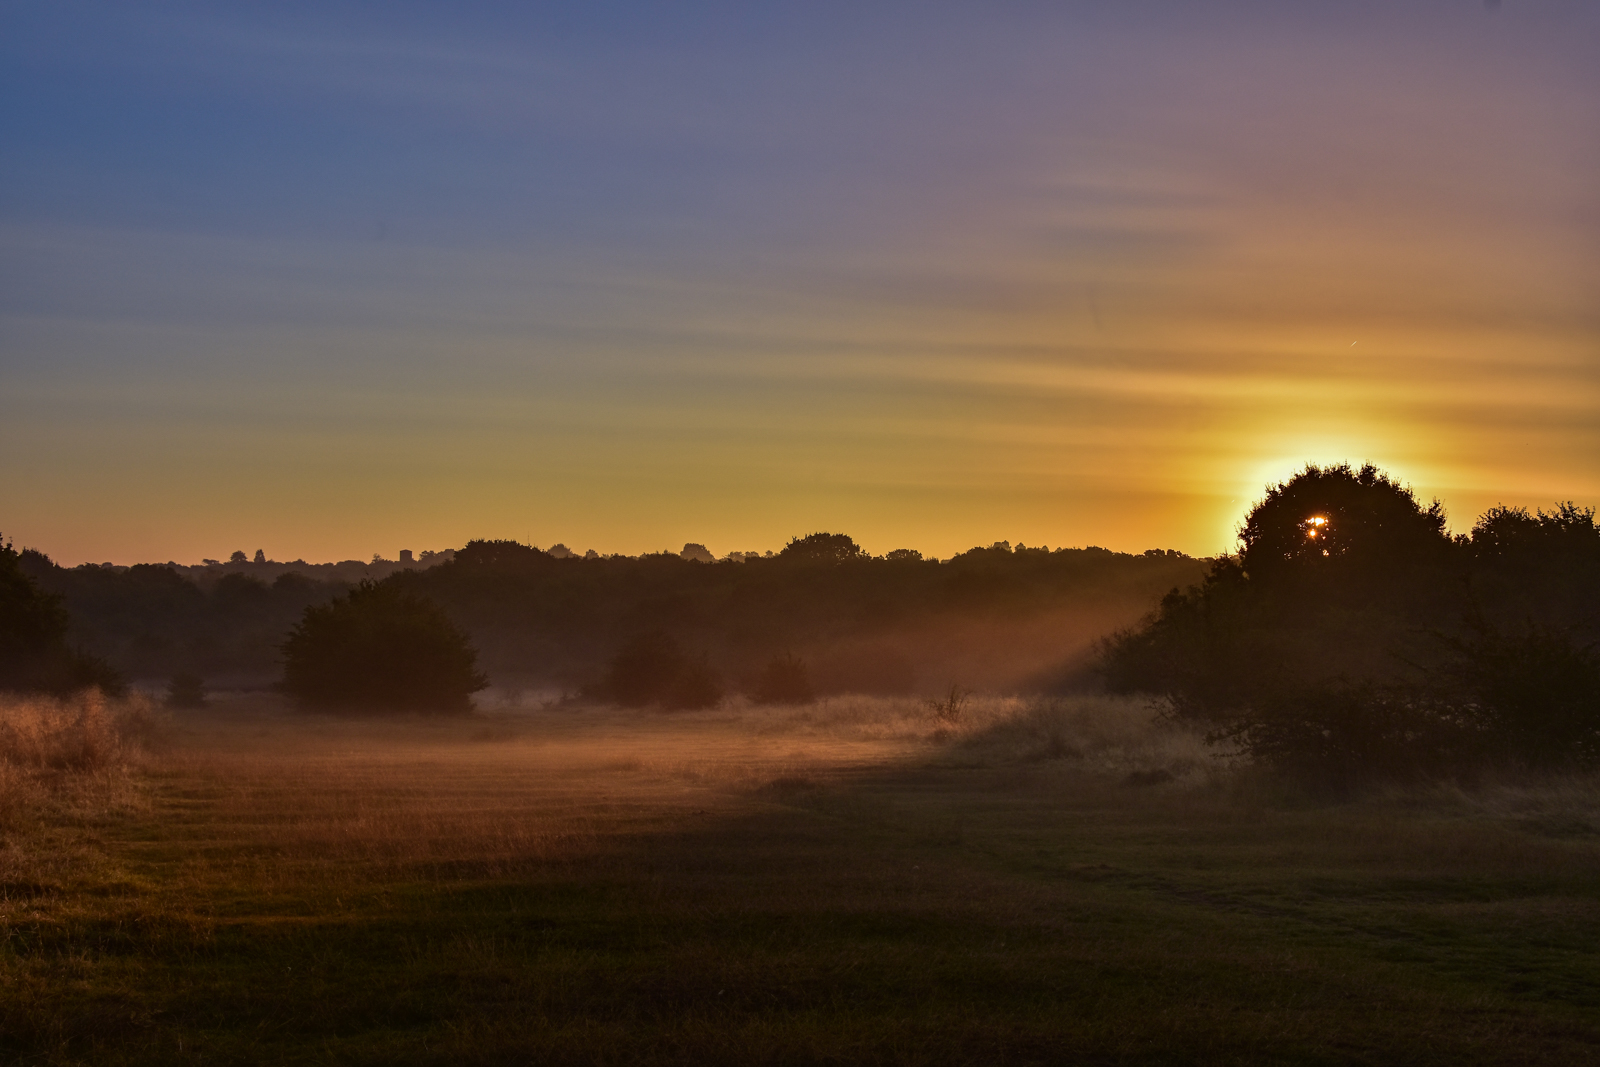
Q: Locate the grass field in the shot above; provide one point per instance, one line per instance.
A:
(855, 882)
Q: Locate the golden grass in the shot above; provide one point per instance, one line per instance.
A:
(74, 756)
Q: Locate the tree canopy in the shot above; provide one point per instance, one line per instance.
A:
(380, 648)
(34, 653)
(823, 548)
(1353, 634)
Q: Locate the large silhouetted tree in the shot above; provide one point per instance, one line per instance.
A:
(1342, 529)
(1353, 635)
(1340, 573)
(380, 649)
(34, 653)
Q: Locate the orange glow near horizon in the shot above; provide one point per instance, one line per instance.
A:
(924, 308)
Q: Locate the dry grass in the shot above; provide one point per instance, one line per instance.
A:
(82, 734)
(74, 756)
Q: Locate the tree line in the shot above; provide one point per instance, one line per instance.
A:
(877, 624)
(1351, 636)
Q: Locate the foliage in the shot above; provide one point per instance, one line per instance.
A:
(1352, 636)
(652, 668)
(823, 548)
(34, 653)
(1532, 692)
(784, 680)
(1348, 731)
(151, 621)
(878, 625)
(698, 685)
(380, 648)
(644, 669)
(1330, 528)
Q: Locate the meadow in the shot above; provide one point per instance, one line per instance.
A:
(863, 880)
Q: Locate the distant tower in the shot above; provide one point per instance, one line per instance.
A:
(405, 556)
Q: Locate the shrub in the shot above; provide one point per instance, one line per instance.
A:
(1351, 731)
(698, 685)
(652, 668)
(380, 649)
(784, 680)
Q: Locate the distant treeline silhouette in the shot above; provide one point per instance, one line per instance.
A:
(1351, 636)
(875, 624)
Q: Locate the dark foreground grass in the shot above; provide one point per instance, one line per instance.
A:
(483, 899)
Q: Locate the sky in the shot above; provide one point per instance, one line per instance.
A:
(335, 279)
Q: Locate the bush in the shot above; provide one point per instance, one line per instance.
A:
(698, 685)
(1347, 732)
(380, 649)
(1534, 694)
(653, 669)
(784, 680)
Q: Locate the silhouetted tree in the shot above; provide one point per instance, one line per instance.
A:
(563, 619)
(822, 548)
(1336, 525)
(784, 680)
(1533, 693)
(653, 668)
(34, 653)
(380, 649)
(698, 685)
(1351, 634)
(1542, 568)
(644, 668)
(1339, 576)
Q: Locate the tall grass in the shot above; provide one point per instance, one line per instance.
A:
(81, 734)
(72, 757)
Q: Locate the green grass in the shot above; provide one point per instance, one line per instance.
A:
(582, 891)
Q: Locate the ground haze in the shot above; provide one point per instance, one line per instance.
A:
(863, 880)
